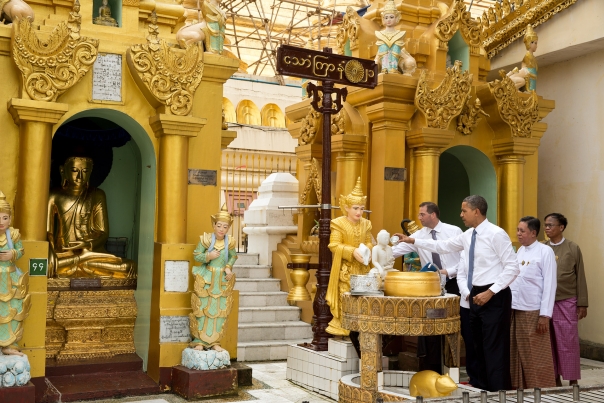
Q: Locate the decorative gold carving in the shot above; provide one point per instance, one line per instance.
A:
(348, 31)
(313, 181)
(353, 394)
(169, 74)
(310, 127)
(354, 71)
(520, 114)
(399, 315)
(371, 359)
(131, 3)
(457, 18)
(338, 123)
(501, 32)
(105, 282)
(50, 67)
(89, 324)
(442, 104)
(469, 117)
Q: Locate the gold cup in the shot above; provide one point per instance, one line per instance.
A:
(412, 284)
(299, 276)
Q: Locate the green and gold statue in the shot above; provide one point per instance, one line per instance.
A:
(211, 300)
(78, 227)
(14, 284)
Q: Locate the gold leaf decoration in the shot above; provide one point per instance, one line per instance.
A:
(457, 18)
(348, 31)
(310, 127)
(510, 26)
(50, 67)
(470, 116)
(313, 181)
(170, 75)
(445, 102)
(520, 114)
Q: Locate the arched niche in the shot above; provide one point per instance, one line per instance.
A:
(465, 171)
(229, 111)
(272, 116)
(139, 158)
(459, 50)
(114, 5)
(248, 113)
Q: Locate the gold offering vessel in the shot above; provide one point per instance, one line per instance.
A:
(412, 284)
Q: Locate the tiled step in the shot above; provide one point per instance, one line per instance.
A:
(258, 299)
(252, 271)
(269, 350)
(258, 284)
(246, 259)
(264, 331)
(269, 314)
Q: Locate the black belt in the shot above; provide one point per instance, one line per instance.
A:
(481, 288)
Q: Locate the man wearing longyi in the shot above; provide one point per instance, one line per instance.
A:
(490, 268)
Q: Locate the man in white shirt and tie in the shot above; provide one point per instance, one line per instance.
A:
(533, 296)
(491, 268)
(433, 228)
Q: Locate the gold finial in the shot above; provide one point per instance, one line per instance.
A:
(412, 227)
(390, 8)
(223, 216)
(355, 197)
(530, 36)
(4, 205)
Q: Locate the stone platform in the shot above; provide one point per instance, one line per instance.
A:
(192, 384)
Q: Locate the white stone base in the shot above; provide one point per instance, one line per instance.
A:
(204, 360)
(14, 370)
(321, 371)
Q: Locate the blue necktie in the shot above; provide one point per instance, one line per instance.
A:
(471, 260)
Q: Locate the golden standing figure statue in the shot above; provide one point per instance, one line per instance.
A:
(211, 300)
(14, 284)
(78, 227)
(527, 75)
(347, 234)
(392, 56)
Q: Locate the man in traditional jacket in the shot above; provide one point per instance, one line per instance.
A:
(571, 300)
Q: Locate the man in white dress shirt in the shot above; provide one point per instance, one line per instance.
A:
(533, 295)
(490, 268)
(433, 228)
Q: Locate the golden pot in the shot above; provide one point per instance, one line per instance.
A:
(299, 277)
(412, 284)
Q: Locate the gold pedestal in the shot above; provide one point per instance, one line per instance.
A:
(90, 324)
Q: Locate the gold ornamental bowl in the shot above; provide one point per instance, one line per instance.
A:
(412, 284)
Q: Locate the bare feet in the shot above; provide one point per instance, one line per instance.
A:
(217, 348)
(199, 347)
(11, 351)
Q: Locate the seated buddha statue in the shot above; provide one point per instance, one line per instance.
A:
(104, 17)
(78, 227)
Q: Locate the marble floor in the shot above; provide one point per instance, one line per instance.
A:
(270, 386)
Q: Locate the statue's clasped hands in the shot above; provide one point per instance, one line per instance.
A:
(212, 255)
(6, 256)
(76, 245)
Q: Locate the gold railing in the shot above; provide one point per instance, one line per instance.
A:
(242, 173)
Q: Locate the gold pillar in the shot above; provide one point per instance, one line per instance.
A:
(348, 149)
(427, 145)
(35, 120)
(510, 154)
(173, 133)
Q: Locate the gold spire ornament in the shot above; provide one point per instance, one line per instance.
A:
(356, 197)
(223, 216)
(4, 205)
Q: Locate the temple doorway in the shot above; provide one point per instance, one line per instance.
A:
(125, 169)
(465, 171)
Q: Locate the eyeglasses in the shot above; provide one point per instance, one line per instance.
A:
(551, 225)
(423, 214)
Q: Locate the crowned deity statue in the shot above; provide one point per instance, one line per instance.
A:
(78, 227)
(104, 17)
(210, 31)
(392, 57)
(350, 238)
(14, 284)
(527, 75)
(211, 300)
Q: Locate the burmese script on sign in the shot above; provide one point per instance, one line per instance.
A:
(107, 78)
(174, 329)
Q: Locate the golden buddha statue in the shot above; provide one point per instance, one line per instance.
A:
(347, 234)
(78, 227)
(104, 17)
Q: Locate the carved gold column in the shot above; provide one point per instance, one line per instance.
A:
(371, 362)
(173, 133)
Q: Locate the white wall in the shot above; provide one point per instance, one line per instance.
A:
(262, 90)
